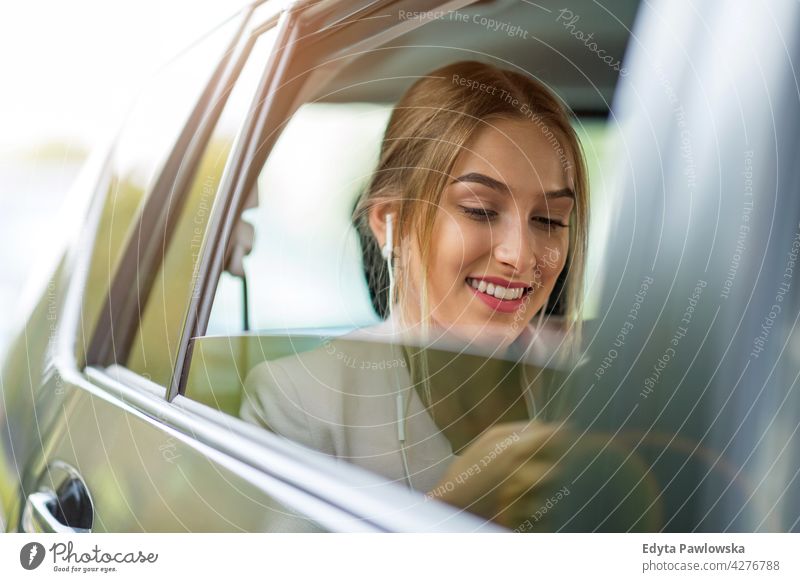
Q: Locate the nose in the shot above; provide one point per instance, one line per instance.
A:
(515, 248)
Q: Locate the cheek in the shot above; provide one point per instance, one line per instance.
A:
(455, 245)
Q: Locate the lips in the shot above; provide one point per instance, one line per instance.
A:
(499, 294)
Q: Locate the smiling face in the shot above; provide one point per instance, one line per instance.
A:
(501, 233)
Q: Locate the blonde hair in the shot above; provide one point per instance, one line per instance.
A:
(427, 130)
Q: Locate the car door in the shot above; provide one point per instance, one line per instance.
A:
(121, 178)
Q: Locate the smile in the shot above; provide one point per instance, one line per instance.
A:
(505, 298)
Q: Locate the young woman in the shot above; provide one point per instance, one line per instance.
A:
(474, 231)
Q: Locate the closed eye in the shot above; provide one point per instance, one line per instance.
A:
(549, 222)
(480, 214)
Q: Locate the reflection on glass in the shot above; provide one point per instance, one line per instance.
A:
(150, 131)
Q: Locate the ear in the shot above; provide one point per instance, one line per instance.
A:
(377, 221)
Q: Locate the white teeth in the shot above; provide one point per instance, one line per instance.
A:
(504, 293)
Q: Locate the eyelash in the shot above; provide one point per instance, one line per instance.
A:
(481, 215)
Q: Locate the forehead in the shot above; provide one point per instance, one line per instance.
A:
(519, 153)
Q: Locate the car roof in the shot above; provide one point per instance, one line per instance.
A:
(553, 46)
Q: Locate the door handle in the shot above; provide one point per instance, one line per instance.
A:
(68, 510)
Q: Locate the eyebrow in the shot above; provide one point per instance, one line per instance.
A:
(497, 185)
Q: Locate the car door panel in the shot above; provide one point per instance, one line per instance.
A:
(143, 475)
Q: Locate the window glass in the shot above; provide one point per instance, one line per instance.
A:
(163, 314)
(147, 136)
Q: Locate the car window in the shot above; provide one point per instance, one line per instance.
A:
(302, 280)
(148, 135)
(303, 284)
(163, 312)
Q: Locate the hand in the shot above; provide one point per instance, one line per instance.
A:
(504, 475)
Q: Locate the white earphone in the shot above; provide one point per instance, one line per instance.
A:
(388, 253)
(387, 247)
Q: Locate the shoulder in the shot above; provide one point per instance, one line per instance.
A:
(271, 400)
(290, 385)
(315, 382)
(336, 361)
